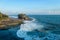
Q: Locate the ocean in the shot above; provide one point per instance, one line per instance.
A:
(42, 27)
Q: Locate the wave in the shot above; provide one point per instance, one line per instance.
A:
(13, 16)
(28, 26)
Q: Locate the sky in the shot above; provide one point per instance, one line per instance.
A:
(30, 6)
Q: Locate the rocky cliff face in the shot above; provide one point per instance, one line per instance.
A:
(6, 22)
(23, 16)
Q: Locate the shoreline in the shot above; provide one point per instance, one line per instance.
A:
(7, 22)
(12, 22)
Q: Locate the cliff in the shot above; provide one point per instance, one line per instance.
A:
(23, 16)
(6, 22)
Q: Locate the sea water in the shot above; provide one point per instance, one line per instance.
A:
(42, 27)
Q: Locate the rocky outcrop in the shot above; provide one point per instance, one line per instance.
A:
(6, 22)
(23, 16)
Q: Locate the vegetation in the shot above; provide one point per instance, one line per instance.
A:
(3, 16)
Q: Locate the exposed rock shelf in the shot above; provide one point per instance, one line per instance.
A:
(23, 17)
(6, 22)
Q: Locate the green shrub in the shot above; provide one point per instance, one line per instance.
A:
(3, 16)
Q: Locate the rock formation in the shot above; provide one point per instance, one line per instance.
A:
(23, 16)
(6, 22)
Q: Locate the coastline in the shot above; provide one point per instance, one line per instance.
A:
(6, 22)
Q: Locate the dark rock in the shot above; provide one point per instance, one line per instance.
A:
(23, 16)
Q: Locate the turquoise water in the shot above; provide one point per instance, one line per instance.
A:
(43, 27)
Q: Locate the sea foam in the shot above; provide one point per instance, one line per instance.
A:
(28, 26)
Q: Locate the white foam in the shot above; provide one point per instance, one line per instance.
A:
(28, 26)
(13, 16)
(21, 34)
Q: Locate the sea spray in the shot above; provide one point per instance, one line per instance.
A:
(28, 26)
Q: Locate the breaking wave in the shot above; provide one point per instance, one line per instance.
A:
(28, 31)
(28, 26)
